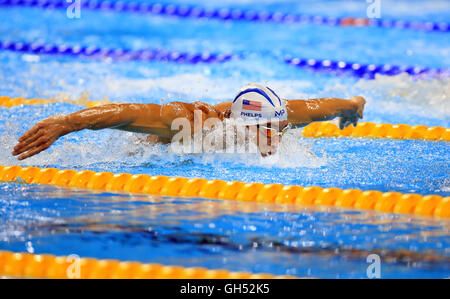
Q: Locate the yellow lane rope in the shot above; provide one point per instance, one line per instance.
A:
(317, 129)
(367, 129)
(390, 202)
(26, 265)
(9, 102)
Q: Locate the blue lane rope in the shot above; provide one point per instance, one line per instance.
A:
(226, 14)
(366, 71)
(116, 54)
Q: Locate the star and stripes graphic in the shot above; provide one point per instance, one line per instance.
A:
(251, 105)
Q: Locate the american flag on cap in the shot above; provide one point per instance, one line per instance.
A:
(251, 105)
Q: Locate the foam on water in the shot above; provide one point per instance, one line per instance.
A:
(401, 99)
(133, 149)
(421, 96)
(198, 86)
(232, 144)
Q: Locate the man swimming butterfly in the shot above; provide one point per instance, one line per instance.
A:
(255, 106)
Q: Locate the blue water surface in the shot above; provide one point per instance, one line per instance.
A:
(268, 238)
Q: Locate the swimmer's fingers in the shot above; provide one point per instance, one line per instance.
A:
(30, 136)
(40, 137)
(26, 146)
(341, 122)
(30, 132)
(344, 122)
(36, 150)
(29, 140)
(354, 120)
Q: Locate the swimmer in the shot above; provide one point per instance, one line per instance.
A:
(257, 107)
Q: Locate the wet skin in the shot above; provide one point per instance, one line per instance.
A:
(156, 120)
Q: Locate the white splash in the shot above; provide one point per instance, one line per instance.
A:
(239, 147)
(197, 86)
(124, 148)
(401, 94)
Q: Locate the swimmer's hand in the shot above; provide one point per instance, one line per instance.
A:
(41, 137)
(354, 114)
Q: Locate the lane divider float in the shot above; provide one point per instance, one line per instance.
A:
(9, 102)
(315, 129)
(389, 202)
(116, 54)
(371, 130)
(365, 71)
(227, 14)
(26, 265)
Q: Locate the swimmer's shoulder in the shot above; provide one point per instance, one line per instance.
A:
(205, 107)
(224, 106)
(182, 109)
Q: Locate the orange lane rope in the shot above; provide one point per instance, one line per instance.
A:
(391, 202)
(26, 265)
(9, 102)
(367, 129)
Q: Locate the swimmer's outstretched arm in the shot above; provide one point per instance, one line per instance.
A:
(141, 118)
(47, 131)
(303, 112)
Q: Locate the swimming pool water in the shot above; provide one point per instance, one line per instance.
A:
(269, 238)
(198, 232)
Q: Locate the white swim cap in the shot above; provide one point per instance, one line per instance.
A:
(256, 104)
